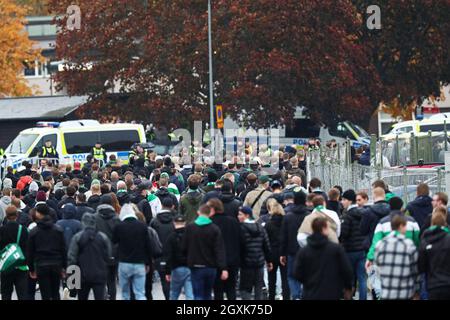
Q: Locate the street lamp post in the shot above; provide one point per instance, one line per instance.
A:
(211, 84)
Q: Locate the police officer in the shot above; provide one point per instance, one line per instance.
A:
(48, 151)
(99, 153)
(137, 156)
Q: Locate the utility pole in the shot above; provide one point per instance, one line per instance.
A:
(211, 79)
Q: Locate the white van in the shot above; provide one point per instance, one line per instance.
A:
(404, 129)
(74, 140)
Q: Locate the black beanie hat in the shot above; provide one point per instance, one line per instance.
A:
(349, 195)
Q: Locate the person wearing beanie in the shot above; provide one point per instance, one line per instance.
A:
(46, 254)
(210, 181)
(7, 183)
(18, 278)
(288, 242)
(163, 225)
(168, 190)
(106, 220)
(384, 228)
(353, 241)
(134, 253)
(90, 249)
(69, 222)
(205, 254)
(256, 252)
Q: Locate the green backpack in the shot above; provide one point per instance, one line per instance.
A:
(12, 256)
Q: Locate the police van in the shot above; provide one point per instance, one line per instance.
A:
(74, 140)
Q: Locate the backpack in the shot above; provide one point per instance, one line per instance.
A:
(156, 246)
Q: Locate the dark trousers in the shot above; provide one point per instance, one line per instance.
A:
(203, 282)
(15, 279)
(111, 282)
(98, 288)
(439, 293)
(31, 288)
(49, 278)
(252, 278)
(149, 283)
(284, 281)
(228, 286)
(162, 275)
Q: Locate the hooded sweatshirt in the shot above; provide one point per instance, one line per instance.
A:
(434, 257)
(189, 204)
(370, 218)
(106, 220)
(91, 251)
(69, 224)
(420, 208)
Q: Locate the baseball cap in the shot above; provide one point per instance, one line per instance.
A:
(264, 179)
(247, 211)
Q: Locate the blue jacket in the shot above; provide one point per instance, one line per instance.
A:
(70, 226)
(370, 218)
(419, 209)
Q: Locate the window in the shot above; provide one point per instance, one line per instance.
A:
(35, 69)
(303, 128)
(433, 127)
(40, 144)
(340, 130)
(83, 142)
(22, 143)
(404, 130)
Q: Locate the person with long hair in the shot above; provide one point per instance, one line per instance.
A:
(115, 203)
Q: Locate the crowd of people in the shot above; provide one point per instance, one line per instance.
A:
(222, 231)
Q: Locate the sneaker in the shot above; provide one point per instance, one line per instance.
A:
(66, 294)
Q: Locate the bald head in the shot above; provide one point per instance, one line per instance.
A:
(121, 185)
(114, 176)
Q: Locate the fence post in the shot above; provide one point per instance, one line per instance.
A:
(446, 137)
(397, 151)
(429, 148)
(373, 149)
(412, 149)
(405, 185)
(439, 177)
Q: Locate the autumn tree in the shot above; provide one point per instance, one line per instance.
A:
(269, 57)
(15, 48)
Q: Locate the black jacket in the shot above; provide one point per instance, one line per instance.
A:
(289, 230)
(335, 206)
(46, 245)
(83, 208)
(273, 228)
(351, 238)
(62, 203)
(434, 258)
(204, 246)
(255, 245)
(164, 193)
(230, 204)
(231, 232)
(106, 220)
(8, 234)
(419, 209)
(173, 251)
(134, 242)
(163, 225)
(370, 218)
(94, 201)
(323, 268)
(146, 209)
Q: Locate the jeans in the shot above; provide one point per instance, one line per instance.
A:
(294, 286)
(111, 282)
(181, 277)
(423, 287)
(357, 260)
(228, 286)
(99, 291)
(203, 282)
(19, 280)
(132, 274)
(252, 278)
(273, 281)
(49, 278)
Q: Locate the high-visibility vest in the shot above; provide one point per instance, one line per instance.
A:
(2, 152)
(48, 152)
(98, 153)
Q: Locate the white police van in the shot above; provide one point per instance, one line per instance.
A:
(74, 140)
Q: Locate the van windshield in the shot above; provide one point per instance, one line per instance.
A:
(360, 131)
(21, 143)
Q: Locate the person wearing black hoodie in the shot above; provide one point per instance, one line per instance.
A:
(422, 206)
(434, 256)
(230, 203)
(163, 225)
(106, 220)
(82, 206)
(46, 254)
(255, 252)
(352, 240)
(372, 215)
(17, 278)
(205, 251)
(90, 249)
(231, 232)
(288, 241)
(323, 267)
(70, 198)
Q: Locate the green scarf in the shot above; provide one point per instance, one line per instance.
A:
(203, 221)
(319, 208)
